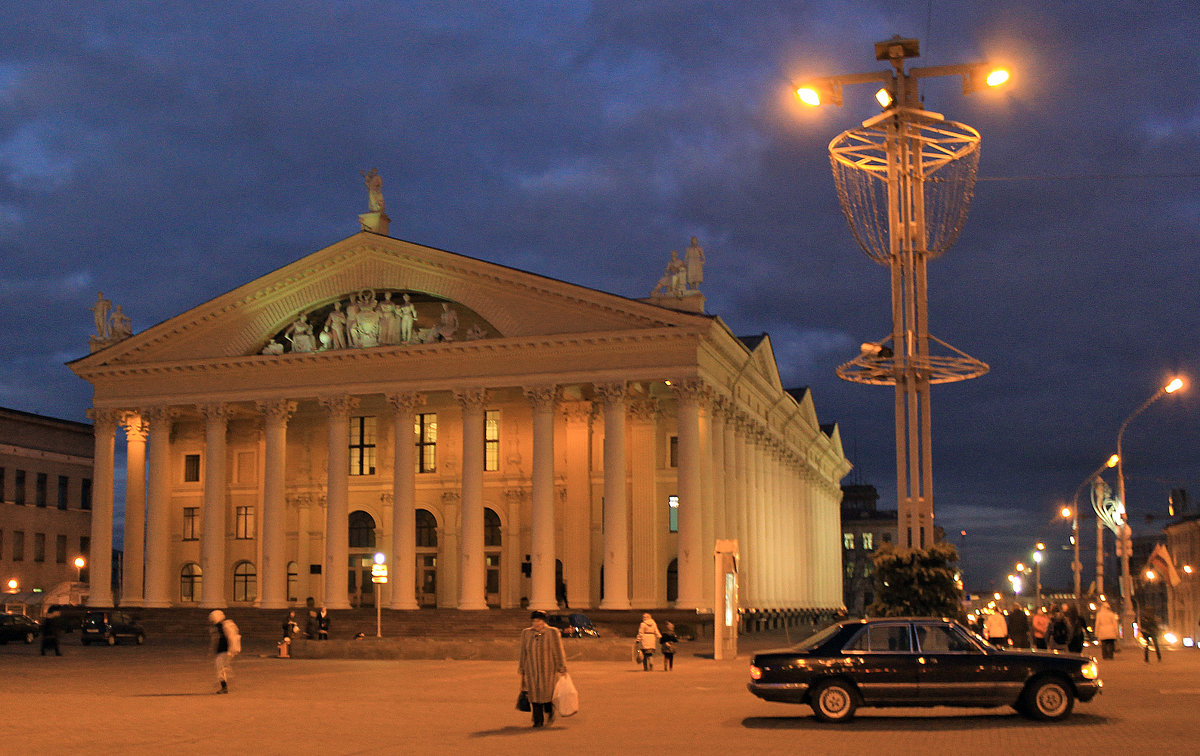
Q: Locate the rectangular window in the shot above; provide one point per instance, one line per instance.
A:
(85, 493)
(362, 446)
(19, 487)
(63, 484)
(426, 431)
(39, 547)
(868, 541)
(491, 440)
(673, 513)
(191, 468)
(244, 523)
(60, 549)
(18, 545)
(41, 489)
(85, 546)
(848, 541)
(673, 451)
(191, 523)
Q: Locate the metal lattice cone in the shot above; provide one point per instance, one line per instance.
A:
(882, 368)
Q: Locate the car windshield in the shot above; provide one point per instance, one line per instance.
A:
(816, 640)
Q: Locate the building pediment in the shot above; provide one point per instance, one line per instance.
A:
(367, 276)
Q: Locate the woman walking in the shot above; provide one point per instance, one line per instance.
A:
(647, 638)
(542, 661)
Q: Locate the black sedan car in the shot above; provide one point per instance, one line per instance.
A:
(919, 661)
(573, 625)
(108, 626)
(17, 627)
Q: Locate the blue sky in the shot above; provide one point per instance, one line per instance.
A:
(166, 152)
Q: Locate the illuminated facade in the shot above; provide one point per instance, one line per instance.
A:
(555, 443)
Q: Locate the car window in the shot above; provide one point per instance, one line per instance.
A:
(889, 638)
(818, 638)
(935, 639)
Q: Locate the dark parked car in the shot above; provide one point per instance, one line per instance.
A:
(918, 661)
(17, 627)
(573, 625)
(108, 626)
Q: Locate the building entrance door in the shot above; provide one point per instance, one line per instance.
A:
(360, 587)
(427, 579)
(493, 579)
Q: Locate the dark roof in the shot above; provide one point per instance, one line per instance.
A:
(752, 342)
(828, 428)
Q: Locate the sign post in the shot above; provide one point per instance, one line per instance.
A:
(725, 600)
(378, 577)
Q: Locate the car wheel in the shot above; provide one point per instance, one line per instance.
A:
(140, 638)
(28, 638)
(110, 639)
(1048, 700)
(834, 701)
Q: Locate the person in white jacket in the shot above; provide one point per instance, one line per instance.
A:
(1107, 629)
(647, 639)
(996, 629)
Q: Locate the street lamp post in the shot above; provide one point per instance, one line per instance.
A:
(1126, 535)
(905, 180)
(1076, 565)
(79, 562)
(1037, 561)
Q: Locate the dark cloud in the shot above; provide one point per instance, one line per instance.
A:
(167, 152)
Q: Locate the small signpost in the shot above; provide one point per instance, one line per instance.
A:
(378, 577)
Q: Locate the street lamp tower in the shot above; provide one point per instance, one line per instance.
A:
(905, 180)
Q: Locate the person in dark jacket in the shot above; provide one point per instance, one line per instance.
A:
(323, 624)
(1148, 627)
(1018, 626)
(669, 639)
(50, 633)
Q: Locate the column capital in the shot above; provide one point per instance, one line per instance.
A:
(338, 404)
(160, 414)
(692, 390)
(405, 401)
(135, 427)
(215, 412)
(104, 419)
(576, 411)
(543, 397)
(277, 409)
(644, 410)
(386, 499)
(723, 406)
(610, 393)
(472, 398)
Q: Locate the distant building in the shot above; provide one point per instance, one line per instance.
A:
(864, 527)
(46, 493)
(1183, 544)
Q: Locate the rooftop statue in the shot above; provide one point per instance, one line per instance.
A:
(374, 190)
(100, 310)
(694, 260)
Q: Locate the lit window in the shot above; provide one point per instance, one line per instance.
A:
(673, 513)
(191, 523)
(362, 446)
(426, 432)
(868, 541)
(848, 541)
(491, 440)
(191, 468)
(244, 522)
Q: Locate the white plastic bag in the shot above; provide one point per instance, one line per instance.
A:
(566, 698)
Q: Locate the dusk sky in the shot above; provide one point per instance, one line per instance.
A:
(167, 152)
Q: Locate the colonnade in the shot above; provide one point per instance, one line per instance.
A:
(770, 486)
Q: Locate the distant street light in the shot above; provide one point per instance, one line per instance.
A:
(79, 562)
(1126, 543)
(1037, 560)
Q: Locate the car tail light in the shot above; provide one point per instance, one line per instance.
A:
(755, 672)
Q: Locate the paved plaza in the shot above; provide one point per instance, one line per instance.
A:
(159, 699)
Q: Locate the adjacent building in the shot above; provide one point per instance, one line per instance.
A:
(864, 527)
(502, 438)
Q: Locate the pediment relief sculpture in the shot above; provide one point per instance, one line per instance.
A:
(379, 319)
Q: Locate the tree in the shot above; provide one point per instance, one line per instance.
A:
(917, 582)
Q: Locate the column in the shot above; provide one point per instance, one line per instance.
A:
(473, 578)
(616, 509)
(133, 562)
(158, 511)
(402, 572)
(542, 594)
(647, 510)
(691, 555)
(104, 427)
(755, 547)
(577, 507)
(304, 585)
(741, 498)
(707, 531)
(337, 524)
(274, 530)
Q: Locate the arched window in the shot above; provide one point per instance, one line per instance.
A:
(190, 580)
(426, 529)
(245, 582)
(362, 530)
(293, 580)
(491, 528)
(673, 580)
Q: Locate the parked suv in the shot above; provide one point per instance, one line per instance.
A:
(108, 625)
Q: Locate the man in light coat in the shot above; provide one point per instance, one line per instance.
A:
(1107, 628)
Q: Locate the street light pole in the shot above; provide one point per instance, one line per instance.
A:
(1126, 535)
(1076, 565)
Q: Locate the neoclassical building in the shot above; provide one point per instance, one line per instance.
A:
(499, 436)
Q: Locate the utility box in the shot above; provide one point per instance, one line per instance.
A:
(725, 600)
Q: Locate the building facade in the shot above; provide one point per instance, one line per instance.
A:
(864, 527)
(45, 501)
(502, 438)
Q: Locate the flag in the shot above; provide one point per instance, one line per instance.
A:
(1162, 558)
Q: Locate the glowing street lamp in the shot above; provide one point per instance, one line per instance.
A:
(13, 585)
(79, 563)
(905, 180)
(1037, 560)
(1126, 535)
(1072, 512)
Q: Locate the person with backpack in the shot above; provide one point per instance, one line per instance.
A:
(1060, 631)
(226, 644)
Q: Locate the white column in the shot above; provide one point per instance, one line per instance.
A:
(304, 584)
(104, 428)
(707, 530)
(274, 536)
(337, 515)
(404, 527)
(740, 492)
(616, 509)
(720, 501)
(577, 506)
(691, 554)
(648, 512)
(158, 511)
(133, 560)
(542, 559)
(757, 559)
(212, 535)
(473, 573)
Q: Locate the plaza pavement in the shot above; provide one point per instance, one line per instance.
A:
(158, 699)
